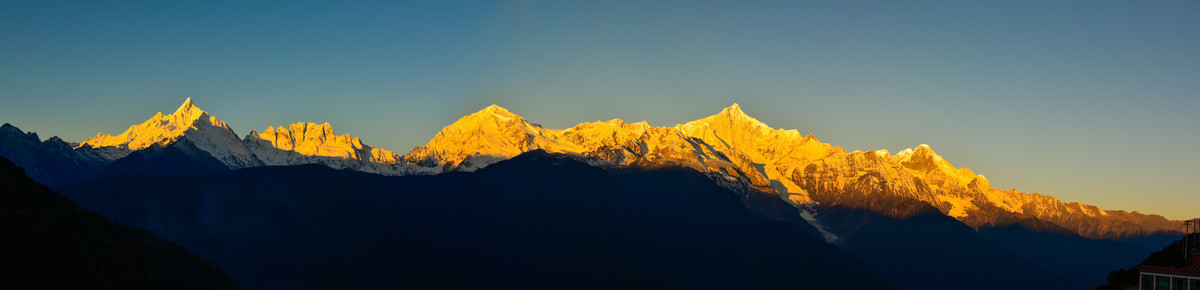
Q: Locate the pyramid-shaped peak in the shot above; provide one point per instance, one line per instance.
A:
(734, 110)
(733, 114)
(495, 111)
(187, 104)
(494, 108)
(9, 129)
(164, 129)
(188, 109)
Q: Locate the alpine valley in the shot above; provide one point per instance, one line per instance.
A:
(494, 200)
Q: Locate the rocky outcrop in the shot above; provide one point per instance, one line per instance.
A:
(311, 143)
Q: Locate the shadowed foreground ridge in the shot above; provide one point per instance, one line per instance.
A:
(537, 221)
(49, 243)
(1170, 256)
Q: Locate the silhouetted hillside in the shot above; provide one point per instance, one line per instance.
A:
(52, 162)
(181, 158)
(1063, 251)
(49, 243)
(534, 221)
(1170, 256)
(918, 247)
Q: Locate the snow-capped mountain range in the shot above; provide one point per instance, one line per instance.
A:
(732, 148)
(311, 143)
(206, 132)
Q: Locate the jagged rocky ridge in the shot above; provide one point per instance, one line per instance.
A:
(732, 148)
(311, 143)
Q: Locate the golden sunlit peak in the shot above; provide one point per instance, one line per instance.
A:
(734, 112)
(314, 139)
(734, 109)
(188, 110)
(496, 111)
(166, 129)
(187, 104)
(922, 150)
(495, 108)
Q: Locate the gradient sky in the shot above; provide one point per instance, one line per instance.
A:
(1089, 101)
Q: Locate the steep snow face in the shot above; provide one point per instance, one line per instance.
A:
(730, 146)
(485, 137)
(774, 153)
(919, 174)
(709, 146)
(206, 132)
(618, 143)
(311, 143)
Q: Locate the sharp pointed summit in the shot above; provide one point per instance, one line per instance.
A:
(733, 118)
(187, 104)
(208, 134)
(188, 112)
(157, 130)
(734, 109)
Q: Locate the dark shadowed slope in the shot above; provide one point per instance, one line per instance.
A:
(49, 243)
(535, 221)
(1063, 251)
(929, 250)
(917, 246)
(1169, 256)
(181, 158)
(52, 162)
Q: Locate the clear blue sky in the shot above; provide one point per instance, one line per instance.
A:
(1090, 101)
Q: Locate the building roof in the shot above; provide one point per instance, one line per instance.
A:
(1188, 272)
